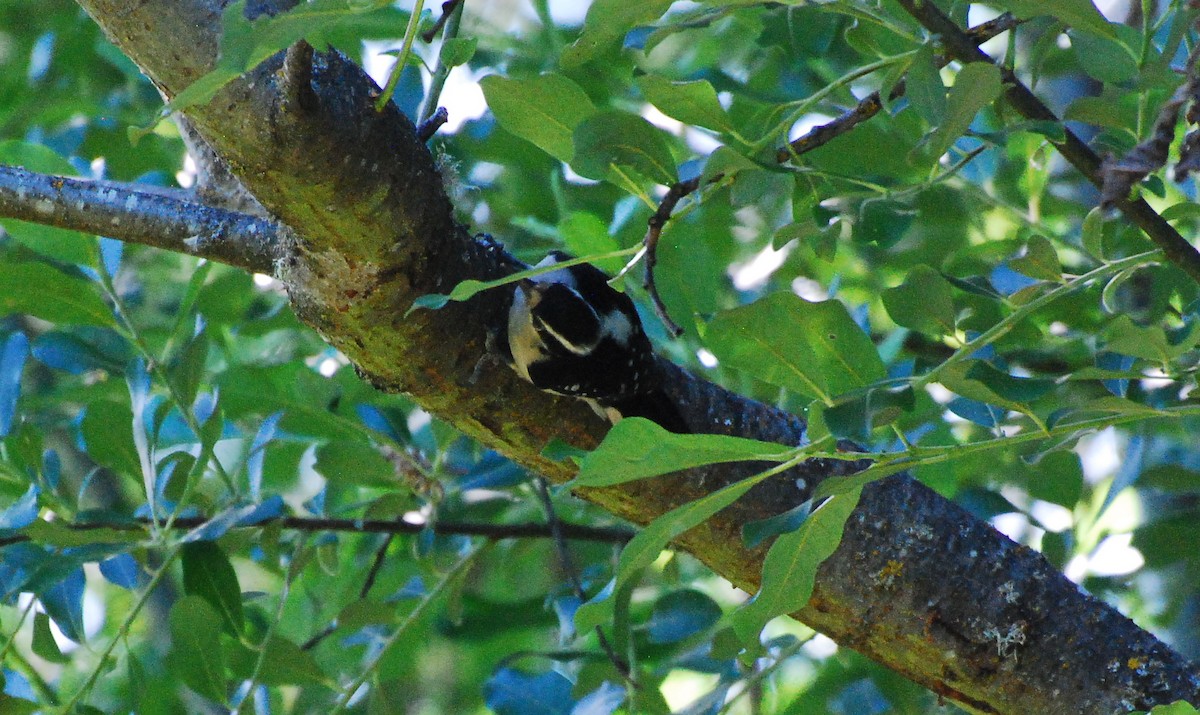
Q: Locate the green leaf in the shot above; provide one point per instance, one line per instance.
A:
(283, 663)
(208, 574)
(1040, 261)
(612, 138)
(727, 162)
(1151, 342)
(584, 234)
(692, 103)
(790, 567)
(1181, 210)
(458, 50)
(196, 657)
(1106, 59)
(1093, 234)
(923, 302)
(543, 110)
(813, 349)
(58, 298)
(925, 89)
(1179, 707)
(637, 448)
(18, 706)
(605, 26)
(43, 643)
(107, 430)
(1080, 14)
(1056, 478)
(641, 551)
(188, 369)
(979, 380)
(352, 462)
(855, 414)
(883, 223)
(976, 86)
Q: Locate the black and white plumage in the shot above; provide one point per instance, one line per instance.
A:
(570, 333)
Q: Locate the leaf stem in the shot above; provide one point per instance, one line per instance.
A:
(1010, 321)
(414, 21)
(373, 663)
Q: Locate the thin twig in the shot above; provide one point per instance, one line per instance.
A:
(873, 102)
(452, 11)
(153, 216)
(363, 592)
(961, 47)
(564, 559)
(448, 8)
(579, 532)
(654, 227)
(429, 127)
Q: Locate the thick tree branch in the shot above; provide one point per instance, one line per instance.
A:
(961, 47)
(916, 584)
(160, 217)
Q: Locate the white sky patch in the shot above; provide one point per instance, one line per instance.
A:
(1115, 556)
(328, 367)
(700, 142)
(570, 175)
(651, 114)
(1013, 525)
(809, 289)
(682, 687)
(1113, 10)
(186, 177)
(462, 98)
(262, 280)
(806, 123)
(939, 393)
(461, 95)
(568, 12)
(821, 646)
(375, 62)
(1100, 454)
(484, 172)
(756, 271)
(417, 419)
(706, 358)
(1155, 379)
(1054, 517)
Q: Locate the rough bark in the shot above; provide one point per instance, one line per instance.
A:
(917, 584)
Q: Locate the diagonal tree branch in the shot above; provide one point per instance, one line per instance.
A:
(162, 218)
(872, 104)
(961, 47)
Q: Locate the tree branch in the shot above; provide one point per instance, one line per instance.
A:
(575, 532)
(873, 102)
(961, 47)
(162, 218)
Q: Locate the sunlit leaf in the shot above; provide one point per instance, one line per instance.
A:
(813, 349)
(637, 448)
(543, 110)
